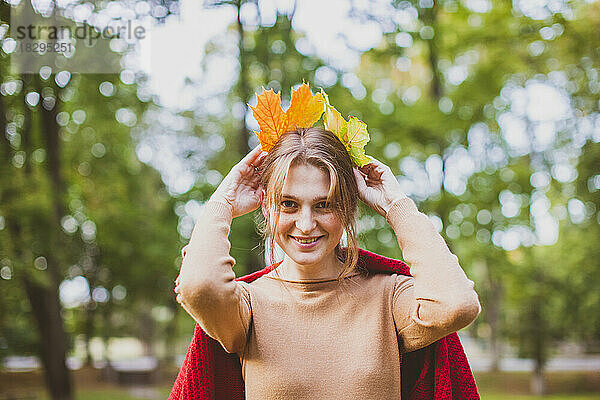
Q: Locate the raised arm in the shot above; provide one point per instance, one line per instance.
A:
(206, 286)
(439, 299)
(207, 289)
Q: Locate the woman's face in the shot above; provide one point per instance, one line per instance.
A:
(307, 217)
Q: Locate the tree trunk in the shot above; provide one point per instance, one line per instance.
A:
(26, 137)
(539, 335)
(88, 331)
(147, 328)
(537, 378)
(4, 143)
(53, 342)
(90, 267)
(41, 293)
(53, 336)
(50, 131)
(493, 314)
(46, 312)
(108, 374)
(430, 18)
(170, 335)
(538, 386)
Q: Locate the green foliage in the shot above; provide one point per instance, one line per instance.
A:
(118, 221)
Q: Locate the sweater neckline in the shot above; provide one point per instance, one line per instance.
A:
(311, 281)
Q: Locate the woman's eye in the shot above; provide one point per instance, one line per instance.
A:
(287, 203)
(323, 204)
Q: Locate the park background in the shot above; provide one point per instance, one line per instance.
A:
(487, 111)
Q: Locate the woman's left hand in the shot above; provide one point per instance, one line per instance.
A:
(378, 186)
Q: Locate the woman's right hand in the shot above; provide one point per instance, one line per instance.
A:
(241, 187)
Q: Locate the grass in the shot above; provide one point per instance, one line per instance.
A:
(124, 394)
(117, 394)
(492, 386)
(516, 385)
(502, 396)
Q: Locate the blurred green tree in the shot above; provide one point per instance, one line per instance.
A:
(78, 204)
(439, 86)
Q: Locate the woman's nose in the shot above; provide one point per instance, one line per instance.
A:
(306, 222)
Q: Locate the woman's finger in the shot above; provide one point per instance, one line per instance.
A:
(262, 157)
(372, 171)
(254, 167)
(252, 155)
(251, 172)
(376, 168)
(360, 180)
(378, 173)
(367, 168)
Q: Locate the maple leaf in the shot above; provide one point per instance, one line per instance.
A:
(358, 136)
(333, 120)
(270, 117)
(305, 109)
(352, 133)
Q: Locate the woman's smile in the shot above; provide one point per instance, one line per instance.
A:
(307, 243)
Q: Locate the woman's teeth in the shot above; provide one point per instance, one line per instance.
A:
(306, 241)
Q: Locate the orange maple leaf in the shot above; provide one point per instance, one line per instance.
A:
(270, 117)
(305, 109)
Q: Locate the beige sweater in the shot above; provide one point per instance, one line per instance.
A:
(317, 339)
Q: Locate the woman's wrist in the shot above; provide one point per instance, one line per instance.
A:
(388, 205)
(399, 209)
(219, 198)
(219, 206)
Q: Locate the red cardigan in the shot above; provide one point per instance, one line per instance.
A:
(439, 371)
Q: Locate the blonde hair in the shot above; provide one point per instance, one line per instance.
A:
(322, 149)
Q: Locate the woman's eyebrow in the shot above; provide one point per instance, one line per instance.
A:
(295, 198)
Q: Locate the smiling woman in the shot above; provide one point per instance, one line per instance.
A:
(321, 323)
(324, 322)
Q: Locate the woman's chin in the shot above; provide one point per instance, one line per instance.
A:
(305, 259)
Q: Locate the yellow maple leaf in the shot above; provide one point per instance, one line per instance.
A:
(358, 136)
(305, 109)
(334, 122)
(352, 133)
(270, 117)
